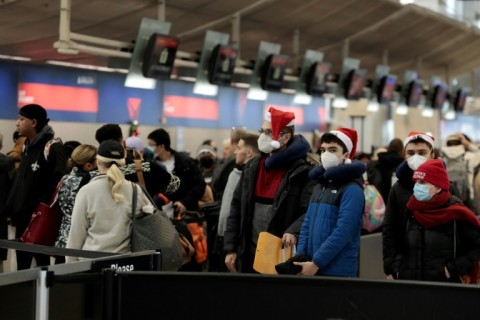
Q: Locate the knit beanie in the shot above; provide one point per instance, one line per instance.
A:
(279, 120)
(35, 111)
(434, 172)
(349, 138)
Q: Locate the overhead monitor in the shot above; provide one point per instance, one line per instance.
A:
(273, 72)
(459, 99)
(386, 89)
(414, 93)
(437, 96)
(354, 83)
(316, 80)
(159, 56)
(222, 64)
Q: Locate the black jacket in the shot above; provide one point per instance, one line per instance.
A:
(455, 245)
(380, 171)
(37, 177)
(396, 218)
(192, 183)
(289, 205)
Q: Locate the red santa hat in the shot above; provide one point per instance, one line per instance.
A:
(349, 138)
(279, 120)
(416, 135)
(434, 172)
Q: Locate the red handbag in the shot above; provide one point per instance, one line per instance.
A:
(45, 222)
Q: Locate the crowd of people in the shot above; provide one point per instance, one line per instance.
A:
(310, 195)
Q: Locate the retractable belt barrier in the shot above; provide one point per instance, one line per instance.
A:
(52, 251)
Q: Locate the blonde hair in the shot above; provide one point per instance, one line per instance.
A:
(82, 154)
(115, 176)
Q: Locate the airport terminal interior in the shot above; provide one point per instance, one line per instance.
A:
(202, 69)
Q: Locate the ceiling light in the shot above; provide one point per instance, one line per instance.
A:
(340, 102)
(373, 106)
(205, 89)
(402, 109)
(449, 115)
(427, 112)
(257, 94)
(302, 98)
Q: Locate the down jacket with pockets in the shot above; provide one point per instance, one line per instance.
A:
(331, 230)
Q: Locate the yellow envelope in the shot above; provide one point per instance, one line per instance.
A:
(270, 253)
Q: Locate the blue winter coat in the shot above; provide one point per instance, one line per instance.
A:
(331, 230)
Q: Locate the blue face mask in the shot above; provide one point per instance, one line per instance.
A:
(421, 192)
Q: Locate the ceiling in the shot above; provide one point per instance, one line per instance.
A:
(373, 31)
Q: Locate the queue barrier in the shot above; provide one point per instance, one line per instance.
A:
(128, 287)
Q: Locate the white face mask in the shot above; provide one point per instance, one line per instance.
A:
(329, 160)
(265, 143)
(415, 161)
(151, 148)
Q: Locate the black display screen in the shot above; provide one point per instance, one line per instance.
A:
(386, 89)
(414, 93)
(316, 81)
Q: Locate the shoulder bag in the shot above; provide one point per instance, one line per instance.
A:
(155, 231)
(45, 222)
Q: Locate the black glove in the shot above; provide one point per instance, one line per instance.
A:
(288, 267)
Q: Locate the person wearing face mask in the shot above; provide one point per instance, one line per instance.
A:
(272, 193)
(207, 160)
(461, 158)
(330, 233)
(418, 149)
(442, 238)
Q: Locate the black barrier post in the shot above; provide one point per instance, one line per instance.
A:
(109, 292)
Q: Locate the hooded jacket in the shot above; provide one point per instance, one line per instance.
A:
(331, 230)
(37, 177)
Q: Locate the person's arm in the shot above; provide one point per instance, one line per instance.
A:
(159, 180)
(79, 226)
(57, 161)
(389, 232)
(468, 249)
(7, 163)
(295, 228)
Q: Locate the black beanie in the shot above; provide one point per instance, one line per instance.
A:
(35, 111)
(111, 149)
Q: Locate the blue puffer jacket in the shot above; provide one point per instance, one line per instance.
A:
(331, 229)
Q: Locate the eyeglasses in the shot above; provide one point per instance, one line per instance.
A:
(268, 132)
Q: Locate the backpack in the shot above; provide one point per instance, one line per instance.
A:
(374, 210)
(457, 170)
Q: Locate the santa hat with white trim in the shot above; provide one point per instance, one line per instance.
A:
(279, 120)
(349, 138)
(418, 135)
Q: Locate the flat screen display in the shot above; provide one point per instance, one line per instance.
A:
(460, 99)
(386, 89)
(316, 82)
(414, 93)
(355, 83)
(439, 94)
(273, 72)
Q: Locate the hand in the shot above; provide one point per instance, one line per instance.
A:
(230, 259)
(308, 268)
(390, 277)
(179, 207)
(447, 273)
(288, 240)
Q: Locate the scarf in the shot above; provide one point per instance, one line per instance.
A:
(437, 211)
(268, 181)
